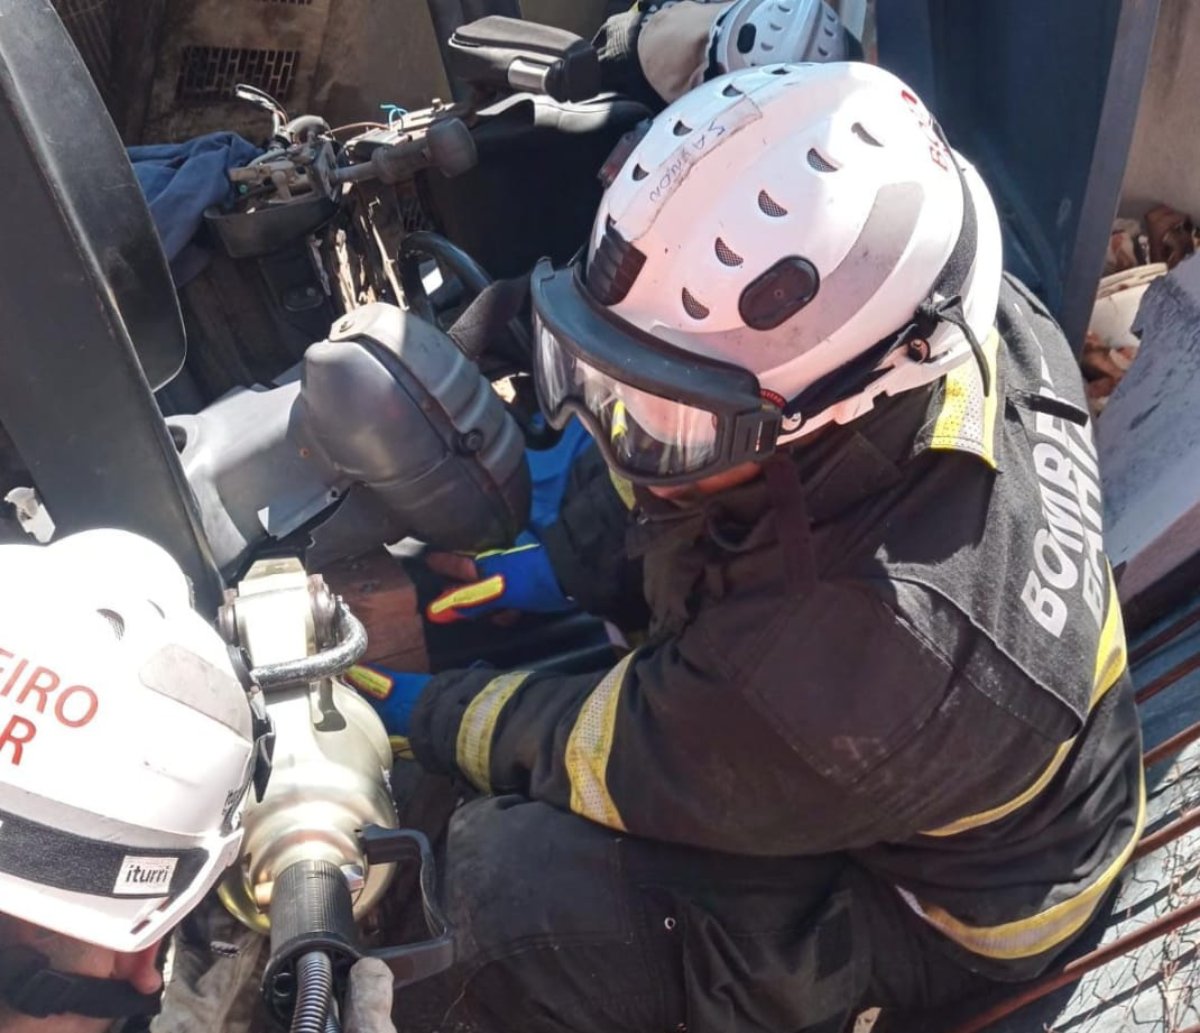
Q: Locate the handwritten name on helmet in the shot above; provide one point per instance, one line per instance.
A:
(39, 692)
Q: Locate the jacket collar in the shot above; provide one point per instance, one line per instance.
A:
(848, 464)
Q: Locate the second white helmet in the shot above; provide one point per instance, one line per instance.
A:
(767, 32)
(127, 742)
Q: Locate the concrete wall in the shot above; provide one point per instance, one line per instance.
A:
(355, 55)
(377, 52)
(1164, 165)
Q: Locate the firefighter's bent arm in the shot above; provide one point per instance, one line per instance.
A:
(828, 726)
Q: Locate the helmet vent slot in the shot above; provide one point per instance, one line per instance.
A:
(770, 206)
(859, 130)
(682, 128)
(693, 307)
(115, 622)
(639, 173)
(823, 51)
(727, 255)
(776, 28)
(819, 162)
(731, 91)
(781, 70)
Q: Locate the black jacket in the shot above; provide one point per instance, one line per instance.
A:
(902, 642)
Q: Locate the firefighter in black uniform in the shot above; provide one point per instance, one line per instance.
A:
(880, 746)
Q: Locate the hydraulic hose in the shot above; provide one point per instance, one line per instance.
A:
(314, 994)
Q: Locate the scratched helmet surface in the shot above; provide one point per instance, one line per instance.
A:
(126, 741)
(788, 219)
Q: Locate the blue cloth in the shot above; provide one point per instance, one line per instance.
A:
(549, 470)
(180, 180)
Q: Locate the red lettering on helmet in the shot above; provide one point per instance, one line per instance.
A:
(17, 733)
(43, 681)
(12, 678)
(90, 705)
(72, 707)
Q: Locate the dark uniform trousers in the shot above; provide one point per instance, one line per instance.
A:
(566, 926)
(879, 749)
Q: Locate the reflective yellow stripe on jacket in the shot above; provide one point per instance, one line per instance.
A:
(1029, 937)
(588, 749)
(967, 420)
(1111, 661)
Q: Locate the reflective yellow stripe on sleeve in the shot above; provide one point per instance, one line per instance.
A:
(1111, 661)
(1044, 931)
(967, 420)
(473, 750)
(588, 749)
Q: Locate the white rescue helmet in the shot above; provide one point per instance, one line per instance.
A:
(768, 32)
(783, 246)
(127, 741)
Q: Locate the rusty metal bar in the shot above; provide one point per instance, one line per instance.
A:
(1170, 678)
(1172, 745)
(1075, 970)
(1151, 645)
(1180, 827)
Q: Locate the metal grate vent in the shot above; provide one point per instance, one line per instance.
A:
(693, 306)
(726, 254)
(819, 162)
(770, 206)
(211, 73)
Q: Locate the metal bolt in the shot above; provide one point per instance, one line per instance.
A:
(471, 442)
(919, 350)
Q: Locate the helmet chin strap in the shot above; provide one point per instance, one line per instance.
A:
(29, 985)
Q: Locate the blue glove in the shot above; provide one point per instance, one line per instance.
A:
(393, 695)
(520, 578)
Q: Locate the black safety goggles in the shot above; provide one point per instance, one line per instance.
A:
(661, 415)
